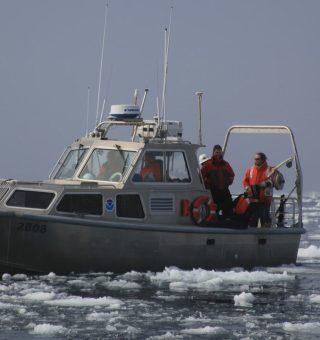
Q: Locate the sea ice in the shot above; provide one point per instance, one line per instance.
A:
(204, 330)
(39, 296)
(315, 298)
(243, 299)
(78, 301)
(310, 252)
(308, 327)
(48, 329)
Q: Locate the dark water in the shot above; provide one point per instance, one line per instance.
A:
(269, 303)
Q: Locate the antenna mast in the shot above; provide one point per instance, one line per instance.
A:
(199, 94)
(101, 61)
(88, 105)
(166, 54)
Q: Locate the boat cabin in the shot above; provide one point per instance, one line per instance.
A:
(154, 177)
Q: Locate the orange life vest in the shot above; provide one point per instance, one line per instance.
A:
(257, 175)
(151, 172)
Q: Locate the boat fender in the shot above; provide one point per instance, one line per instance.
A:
(185, 208)
(242, 205)
(203, 210)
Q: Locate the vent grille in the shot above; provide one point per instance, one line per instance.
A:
(161, 204)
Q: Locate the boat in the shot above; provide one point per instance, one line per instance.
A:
(98, 213)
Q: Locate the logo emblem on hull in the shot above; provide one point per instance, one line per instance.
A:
(109, 205)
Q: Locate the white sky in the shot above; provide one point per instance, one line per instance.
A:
(256, 61)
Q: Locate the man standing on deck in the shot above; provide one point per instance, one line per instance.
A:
(258, 187)
(218, 176)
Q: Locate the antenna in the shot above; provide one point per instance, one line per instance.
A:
(88, 105)
(143, 100)
(101, 60)
(102, 109)
(199, 94)
(135, 96)
(166, 54)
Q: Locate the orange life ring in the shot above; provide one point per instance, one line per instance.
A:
(203, 210)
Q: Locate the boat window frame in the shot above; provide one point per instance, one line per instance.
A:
(63, 158)
(125, 174)
(142, 155)
(33, 190)
(132, 218)
(79, 193)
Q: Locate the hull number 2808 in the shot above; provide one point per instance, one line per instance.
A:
(31, 227)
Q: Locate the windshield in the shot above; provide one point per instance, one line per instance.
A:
(107, 165)
(70, 163)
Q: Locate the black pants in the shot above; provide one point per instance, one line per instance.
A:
(262, 212)
(223, 200)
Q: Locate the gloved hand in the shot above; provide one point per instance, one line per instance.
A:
(265, 184)
(248, 192)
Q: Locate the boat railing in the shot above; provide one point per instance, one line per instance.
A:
(283, 214)
(267, 129)
(286, 216)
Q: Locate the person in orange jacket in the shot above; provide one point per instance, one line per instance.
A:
(218, 175)
(151, 172)
(258, 187)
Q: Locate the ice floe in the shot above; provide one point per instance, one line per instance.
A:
(78, 301)
(302, 328)
(48, 329)
(244, 299)
(204, 330)
(311, 252)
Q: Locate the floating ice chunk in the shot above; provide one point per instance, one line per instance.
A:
(79, 283)
(167, 335)
(39, 296)
(243, 299)
(6, 277)
(132, 330)
(309, 327)
(46, 328)
(192, 319)
(133, 275)
(315, 298)
(204, 330)
(51, 275)
(4, 305)
(3, 288)
(121, 284)
(95, 316)
(310, 252)
(211, 279)
(78, 301)
(178, 286)
(20, 277)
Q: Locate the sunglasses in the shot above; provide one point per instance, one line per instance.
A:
(257, 159)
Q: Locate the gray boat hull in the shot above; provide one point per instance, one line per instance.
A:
(43, 244)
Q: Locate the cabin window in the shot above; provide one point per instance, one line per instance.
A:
(177, 169)
(156, 166)
(81, 204)
(70, 163)
(30, 199)
(150, 168)
(107, 165)
(129, 206)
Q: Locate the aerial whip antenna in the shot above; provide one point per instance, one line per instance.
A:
(199, 94)
(166, 54)
(143, 100)
(88, 105)
(102, 109)
(101, 61)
